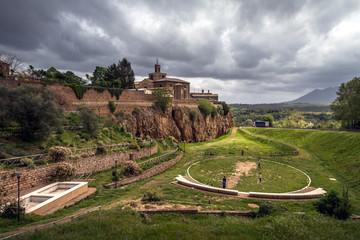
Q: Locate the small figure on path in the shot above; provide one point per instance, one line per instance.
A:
(260, 178)
(259, 164)
(242, 152)
(224, 182)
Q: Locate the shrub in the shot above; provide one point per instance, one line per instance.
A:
(9, 207)
(269, 208)
(332, 205)
(193, 114)
(100, 150)
(152, 194)
(89, 121)
(58, 154)
(136, 110)
(112, 106)
(205, 106)
(64, 171)
(162, 99)
(220, 109)
(131, 168)
(27, 162)
(226, 108)
(214, 112)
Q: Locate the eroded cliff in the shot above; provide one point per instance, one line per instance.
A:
(180, 123)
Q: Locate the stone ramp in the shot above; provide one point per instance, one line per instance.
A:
(301, 194)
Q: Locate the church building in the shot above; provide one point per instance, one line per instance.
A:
(179, 88)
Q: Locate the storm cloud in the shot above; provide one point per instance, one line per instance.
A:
(246, 51)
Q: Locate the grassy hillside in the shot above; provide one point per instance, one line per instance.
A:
(338, 151)
(116, 224)
(315, 159)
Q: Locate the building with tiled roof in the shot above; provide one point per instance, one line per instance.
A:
(179, 88)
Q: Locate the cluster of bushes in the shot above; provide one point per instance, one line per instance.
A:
(335, 206)
(206, 107)
(63, 171)
(152, 195)
(58, 154)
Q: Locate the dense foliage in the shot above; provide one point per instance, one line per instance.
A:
(346, 107)
(89, 121)
(335, 206)
(205, 106)
(285, 115)
(33, 110)
(162, 98)
(55, 76)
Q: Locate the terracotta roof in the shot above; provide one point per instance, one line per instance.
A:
(170, 80)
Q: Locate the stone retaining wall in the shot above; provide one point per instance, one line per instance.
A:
(42, 174)
(148, 173)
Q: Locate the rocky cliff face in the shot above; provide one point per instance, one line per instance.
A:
(179, 123)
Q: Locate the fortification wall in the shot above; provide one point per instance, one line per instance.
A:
(42, 174)
(97, 101)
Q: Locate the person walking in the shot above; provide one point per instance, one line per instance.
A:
(260, 178)
(224, 182)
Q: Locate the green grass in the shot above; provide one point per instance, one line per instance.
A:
(335, 153)
(116, 224)
(275, 177)
(313, 160)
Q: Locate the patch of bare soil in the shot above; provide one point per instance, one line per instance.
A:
(241, 168)
(252, 205)
(138, 205)
(151, 183)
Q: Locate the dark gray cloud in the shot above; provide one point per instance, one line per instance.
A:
(247, 51)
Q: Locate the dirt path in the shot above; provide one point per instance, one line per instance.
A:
(241, 168)
(233, 132)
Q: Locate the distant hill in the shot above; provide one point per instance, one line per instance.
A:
(326, 95)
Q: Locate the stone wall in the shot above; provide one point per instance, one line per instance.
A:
(97, 101)
(42, 174)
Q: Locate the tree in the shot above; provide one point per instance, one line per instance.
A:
(98, 77)
(119, 75)
(89, 121)
(226, 108)
(126, 74)
(269, 118)
(346, 107)
(162, 99)
(35, 111)
(11, 59)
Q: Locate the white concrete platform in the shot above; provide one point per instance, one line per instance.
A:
(51, 196)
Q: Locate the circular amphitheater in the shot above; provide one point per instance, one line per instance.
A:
(304, 192)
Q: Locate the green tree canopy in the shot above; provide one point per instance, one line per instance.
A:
(119, 75)
(89, 120)
(34, 110)
(269, 118)
(162, 98)
(346, 107)
(98, 76)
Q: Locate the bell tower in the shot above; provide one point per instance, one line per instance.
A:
(157, 75)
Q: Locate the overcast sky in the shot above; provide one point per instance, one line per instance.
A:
(258, 51)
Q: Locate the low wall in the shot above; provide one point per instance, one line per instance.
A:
(42, 174)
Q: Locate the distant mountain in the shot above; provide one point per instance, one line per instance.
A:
(326, 95)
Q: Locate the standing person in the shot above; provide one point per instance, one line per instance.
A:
(242, 152)
(259, 164)
(260, 178)
(224, 182)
